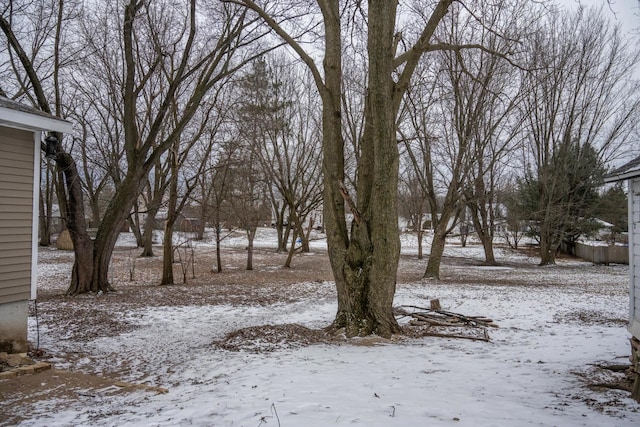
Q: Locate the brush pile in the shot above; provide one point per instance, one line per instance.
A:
(436, 322)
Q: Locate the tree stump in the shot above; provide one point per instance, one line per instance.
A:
(435, 305)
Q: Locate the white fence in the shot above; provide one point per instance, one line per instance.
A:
(614, 254)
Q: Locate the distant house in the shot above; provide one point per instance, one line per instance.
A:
(183, 223)
(20, 135)
(631, 173)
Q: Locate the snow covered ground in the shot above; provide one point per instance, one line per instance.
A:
(555, 324)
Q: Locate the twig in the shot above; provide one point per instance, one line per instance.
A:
(273, 410)
(435, 334)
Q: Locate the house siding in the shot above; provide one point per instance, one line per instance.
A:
(16, 213)
(634, 261)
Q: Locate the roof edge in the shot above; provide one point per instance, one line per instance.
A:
(33, 122)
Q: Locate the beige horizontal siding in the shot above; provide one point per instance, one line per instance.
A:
(16, 204)
(14, 188)
(13, 223)
(14, 238)
(22, 216)
(15, 277)
(18, 153)
(19, 295)
(14, 231)
(13, 259)
(12, 246)
(18, 167)
(16, 213)
(17, 266)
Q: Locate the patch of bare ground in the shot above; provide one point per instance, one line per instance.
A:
(267, 338)
(589, 317)
(59, 389)
(612, 384)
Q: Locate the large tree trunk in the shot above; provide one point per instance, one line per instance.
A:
(251, 234)
(172, 218)
(282, 242)
(147, 235)
(82, 271)
(437, 250)
(45, 221)
(420, 237)
(114, 218)
(218, 228)
(548, 249)
(333, 162)
(167, 251)
(134, 225)
(487, 244)
(369, 266)
(292, 250)
(306, 236)
(46, 206)
(440, 236)
(364, 262)
(484, 229)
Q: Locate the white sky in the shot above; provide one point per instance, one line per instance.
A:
(626, 12)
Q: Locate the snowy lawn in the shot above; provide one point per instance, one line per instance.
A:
(556, 323)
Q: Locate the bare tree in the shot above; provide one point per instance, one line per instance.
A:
(188, 160)
(439, 155)
(30, 75)
(364, 260)
(488, 95)
(162, 57)
(412, 202)
(215, 188)
(580, 111)
(290, 153)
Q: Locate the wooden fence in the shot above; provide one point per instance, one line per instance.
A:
(614, 254)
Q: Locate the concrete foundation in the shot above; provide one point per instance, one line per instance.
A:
(13, 326)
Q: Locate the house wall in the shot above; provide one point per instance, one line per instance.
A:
(17, 152)
(634, 258)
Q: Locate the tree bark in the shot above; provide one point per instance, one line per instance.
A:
(45, 221)
(292, 249)
(251, 234)
(437, 250)
(484, 230)
(114, 218)
(548, 249)
(172, 217)
(82, 244)
(218, 252)
(440, 233)
(167, 253)
(147, 235)
(371, 259)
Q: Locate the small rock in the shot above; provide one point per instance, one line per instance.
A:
(16, 359)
